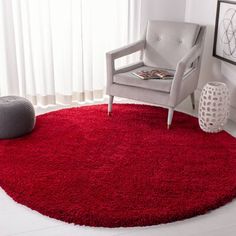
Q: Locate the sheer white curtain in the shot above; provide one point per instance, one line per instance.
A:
(54, 50)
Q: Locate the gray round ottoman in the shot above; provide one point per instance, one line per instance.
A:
(17, 117)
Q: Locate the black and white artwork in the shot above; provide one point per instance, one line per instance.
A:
(225, 31)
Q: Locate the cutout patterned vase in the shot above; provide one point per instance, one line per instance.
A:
(213, 107)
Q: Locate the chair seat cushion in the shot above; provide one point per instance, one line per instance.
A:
(131, 80)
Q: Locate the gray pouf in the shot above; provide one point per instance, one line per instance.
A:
(17, 117)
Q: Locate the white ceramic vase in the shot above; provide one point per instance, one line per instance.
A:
(213, 107)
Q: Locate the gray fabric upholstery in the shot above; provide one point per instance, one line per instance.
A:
(128, 78)
(180, 37)
(140, 94)
(17, 117)
(172, 45)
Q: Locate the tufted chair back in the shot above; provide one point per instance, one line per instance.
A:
(168, 42)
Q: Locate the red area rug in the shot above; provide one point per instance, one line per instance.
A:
(81, 166)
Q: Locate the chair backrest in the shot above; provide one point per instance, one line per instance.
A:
(167, 42)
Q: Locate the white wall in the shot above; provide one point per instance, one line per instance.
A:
(204, 12)
(162, 10)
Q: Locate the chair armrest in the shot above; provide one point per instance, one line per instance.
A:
(126, 50)
(112, 55)
(183, 64)
(191, 56)
(186, 61)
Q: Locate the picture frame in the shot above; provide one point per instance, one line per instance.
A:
(225, 32)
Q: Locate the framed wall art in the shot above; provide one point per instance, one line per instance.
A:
(225, 31)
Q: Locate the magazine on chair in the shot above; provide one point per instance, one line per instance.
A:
(155, 74)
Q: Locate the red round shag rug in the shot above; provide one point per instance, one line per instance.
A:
(81, 166)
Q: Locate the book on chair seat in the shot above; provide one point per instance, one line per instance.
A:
(154, 74)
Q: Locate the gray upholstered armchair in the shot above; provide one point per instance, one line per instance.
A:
(170, 45)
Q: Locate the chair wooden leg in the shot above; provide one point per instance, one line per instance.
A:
(110, 102)
(193, 100)
(170, 117)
